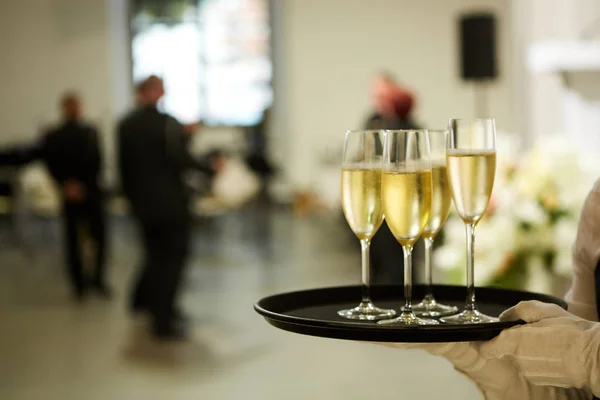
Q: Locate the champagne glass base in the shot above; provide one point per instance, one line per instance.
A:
(430, 308)
(408, 319)
(366, 311)
(469, 317)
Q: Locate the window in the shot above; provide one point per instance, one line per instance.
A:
(214, 57)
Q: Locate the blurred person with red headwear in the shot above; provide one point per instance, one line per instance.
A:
(392, 105)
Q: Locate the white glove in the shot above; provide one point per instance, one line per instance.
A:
(497, 379)
(586, 252)
(555, 356)
(554, 348)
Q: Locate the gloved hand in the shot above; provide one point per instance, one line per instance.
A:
(554, 348)
(497, 379)
(586, 253)
(555, 356)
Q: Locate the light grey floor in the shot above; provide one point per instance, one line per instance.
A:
(52, 349)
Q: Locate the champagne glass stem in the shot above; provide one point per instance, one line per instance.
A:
(428, 268)
(407, 250)
(365, 247)
(470, 304)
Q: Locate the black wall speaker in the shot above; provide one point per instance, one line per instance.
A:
(478, 46)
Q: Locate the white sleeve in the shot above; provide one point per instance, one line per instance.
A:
(581, 297)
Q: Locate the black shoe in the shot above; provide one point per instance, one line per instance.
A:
(102, 289)
(80, 294)
(138, 309)
(180, 317)
(171, 332)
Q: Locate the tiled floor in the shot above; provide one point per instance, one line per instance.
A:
(52, 349)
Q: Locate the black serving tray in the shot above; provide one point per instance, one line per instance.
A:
(314, 312)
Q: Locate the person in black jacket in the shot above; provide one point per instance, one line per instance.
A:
(153, 158)
(72, 155)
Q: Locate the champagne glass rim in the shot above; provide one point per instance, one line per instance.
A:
(348, 131)
(471, 119)
(406, 130)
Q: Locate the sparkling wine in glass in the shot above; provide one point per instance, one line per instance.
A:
(361, 203)
(471, 162)
(441, 199)
(406, 198)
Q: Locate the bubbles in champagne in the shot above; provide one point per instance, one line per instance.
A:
(406, 198)
(361, 200)
(471, 175)
(440, 200)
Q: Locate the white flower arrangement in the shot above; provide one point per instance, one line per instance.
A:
(526, 235)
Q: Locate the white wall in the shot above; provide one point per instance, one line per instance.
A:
(329, 50)
(558, 105)
(325, 54)
(49, 46)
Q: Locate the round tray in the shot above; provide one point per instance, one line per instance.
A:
(314, 312)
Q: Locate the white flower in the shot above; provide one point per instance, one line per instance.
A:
(563, 263)
(447, 257)
(507, 201)
(537, 241)
(565, 231)
(538, 278)
(551, 177)
(495, 234)
(531, 213)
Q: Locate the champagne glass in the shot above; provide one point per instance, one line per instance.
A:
(471, 162)
(406, 198)
(361, 202)
(429, 307)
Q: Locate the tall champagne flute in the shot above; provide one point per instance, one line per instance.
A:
(471, 161)
(406, 199)
(361, 202)
(440, 208)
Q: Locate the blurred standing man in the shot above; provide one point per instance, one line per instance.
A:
(153, 158)
(72, 155)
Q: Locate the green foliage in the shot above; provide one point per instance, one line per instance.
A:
(168, 11)
(515, 275)
(556, 215)
(456, 276)
(548, 258)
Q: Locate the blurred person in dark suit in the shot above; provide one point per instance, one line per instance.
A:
(393, 104)
(72, 155)
(153, 157)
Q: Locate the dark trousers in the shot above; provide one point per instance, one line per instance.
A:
(80, 220)
(159, 278)
(387, 258)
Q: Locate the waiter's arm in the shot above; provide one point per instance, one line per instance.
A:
(20, 155)
(178, 151)
(597, 285)
(125, 159)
